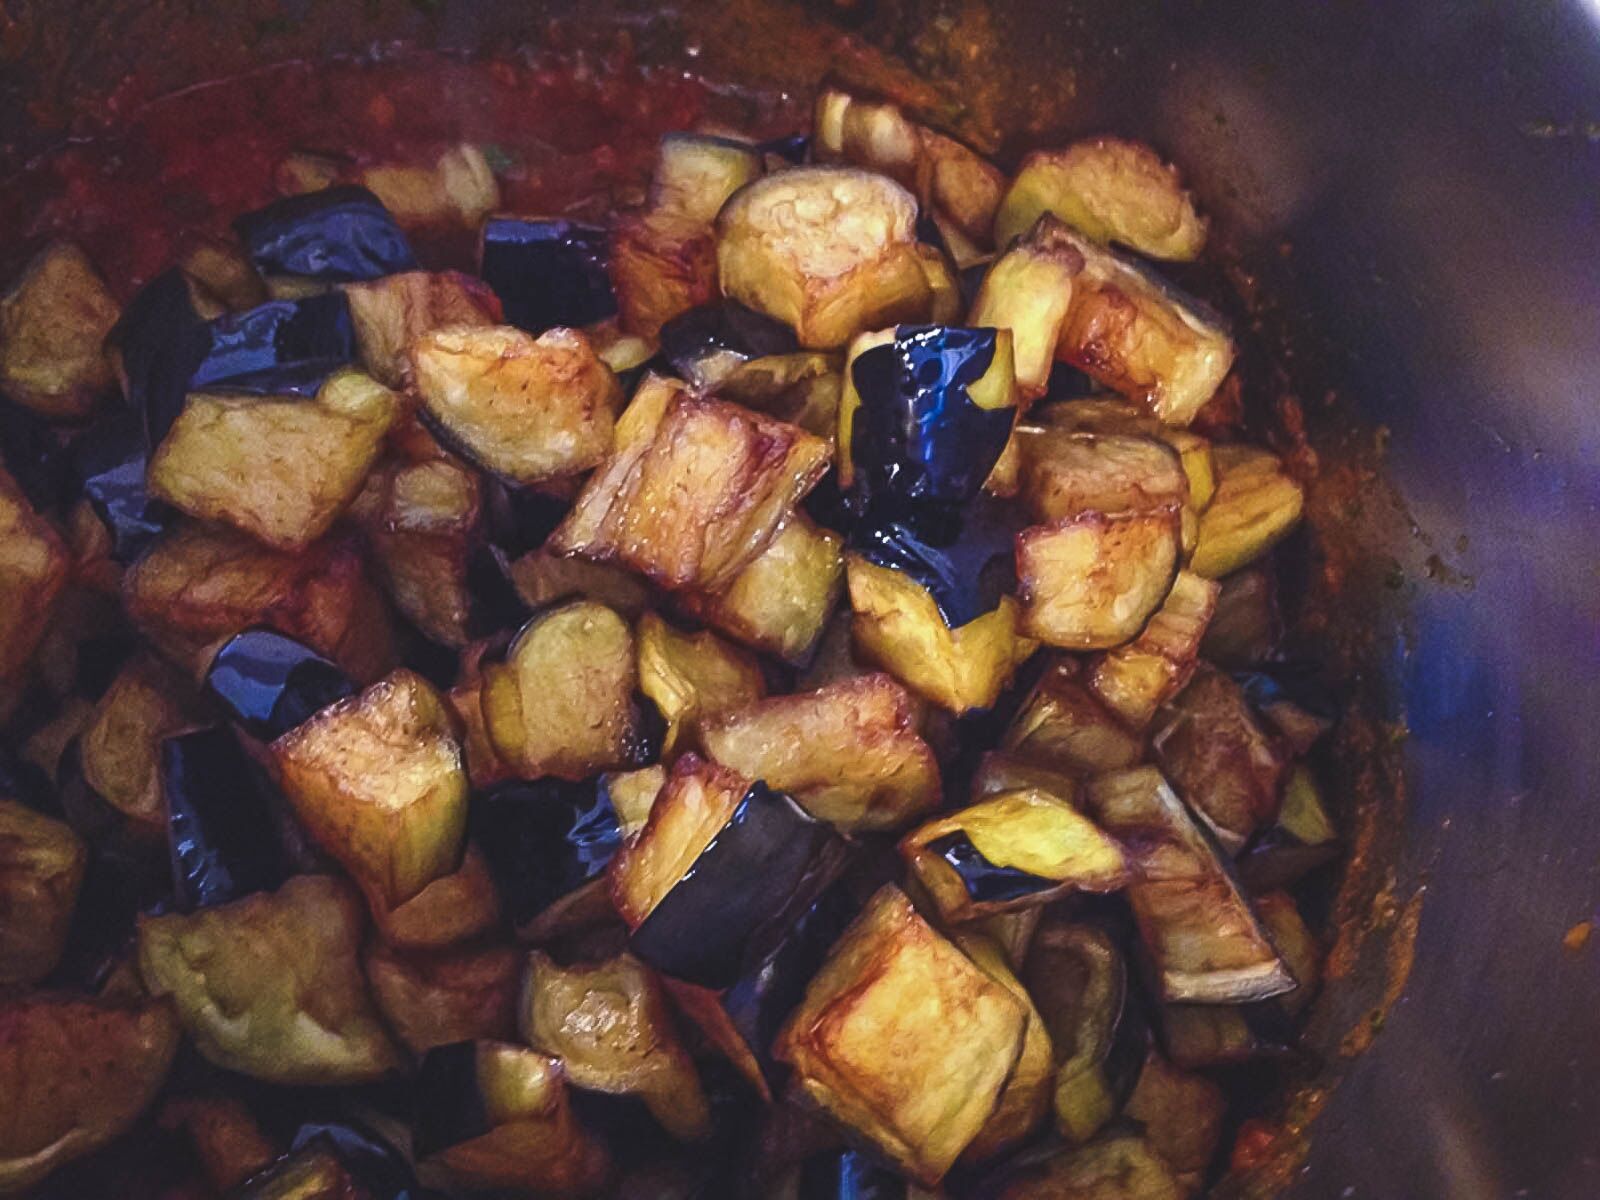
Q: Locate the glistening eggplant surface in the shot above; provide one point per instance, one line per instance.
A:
(790, 827)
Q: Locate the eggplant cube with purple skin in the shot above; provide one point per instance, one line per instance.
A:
(903, 1040)
(377, 781)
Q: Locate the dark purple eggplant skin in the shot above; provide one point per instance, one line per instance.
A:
(849, 1175)
(984, 881)
(773, 979)
(520, 519)
(496, 603)
(162, 340)
(722, 328)
(543, 839)
(791, 148)
(769, 852)
(1068, 383)
(918, 441)
(966, 561)
(221, 831)
(449, 1104)
(36, 457)
(372, 1163)
(340, 235)
(109, 462)
(268, 683)
(25, 782)
(547, 272)
(283, 347)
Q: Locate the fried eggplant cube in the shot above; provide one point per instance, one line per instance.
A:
(1025, 1098)
(75, 1073)
(527, 408)
(41, 869)
(562, 703)
(690, 677)
(53, 326)
(1029, 291)
(1136, 679)
(497, 1115)
(271, 985)
(1255, 507)
(696, 498)
(281, 469)
(391, 313)
(453, 908)
(1206, 943)
(903, 1040)
(1091, 581)
(377, 781)
(849, 752)
(663, 264)
(832, 251)
(34, 564)
(1014, 849)
(781, 601)
(200, 585)
(1061, 726)
(119, 749)
(547, 271)
(609, 1024)
(1063, 473)
(1108, 189)
(452, 995)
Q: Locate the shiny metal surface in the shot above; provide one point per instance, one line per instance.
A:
(1435, 167)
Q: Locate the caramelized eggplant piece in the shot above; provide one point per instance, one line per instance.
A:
(200, 584)
(53, 323)
(903, 1040)
(1211, 1035)
(336, 235)
(390, 314)
(269, 683)
(696, 173)
(457, 190)
(281, 347)
(1204, 940)
(832, 251)
(562, 703)
(609, 1026)
(543, 841)
(221, 820)
(1063, 727)
(1013, 849)
(109, 461)
(1079, 979)
(157, 345)
(704, 345)
(1255, 507)
(280, 469)
(1108, 189)
(781, 601)
(1029, 291)
(765, 857)
(497, 1115)
(34, 565)
(1091, 581)
(547, 271)
(1181, 1115)
(1065, 472)
(925, 415)
(529, 409)
(448, 996)
(1298, 945)
(801, 388)
(695, 490)
(453, 908)
(1025, 1099)
(1300, 840)
(271, 985)
(42, 864)
(1121, 1168)
(690, 677)
(377, 781)
(848, 752)
(1136, 679)
(76, 1073)
(1213, 749)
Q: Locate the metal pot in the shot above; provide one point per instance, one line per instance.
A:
(1415, 187)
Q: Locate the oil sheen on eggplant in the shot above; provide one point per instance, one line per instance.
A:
(337, 235)
(547, 272)
(269, 683)
(221, 829)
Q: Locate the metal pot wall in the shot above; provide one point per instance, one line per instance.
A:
(1416, 186)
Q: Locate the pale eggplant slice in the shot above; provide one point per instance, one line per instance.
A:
(1205, 942)
(53, 322)
(1257, 504)
(271, 985)
(75, 1074)
(377, 781)
(1108, 189)
(903, 1040)
(1078, 977)
(42, 863)
(1029, 291)
(335, 235)
(1013, 849)
(832, 251)
(1065, 472)
(609, 1024)
(547, 271)
(269, 683)
(495, 1114)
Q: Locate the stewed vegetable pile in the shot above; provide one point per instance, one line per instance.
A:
(772, 695)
